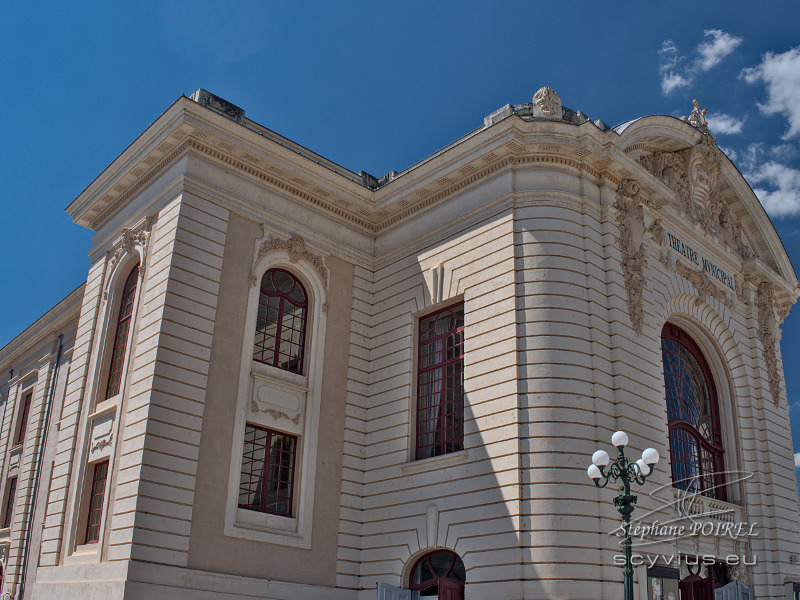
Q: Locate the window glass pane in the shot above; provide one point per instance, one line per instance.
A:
(281, 322)
(440, 383)
(97, 494)
(283, 281)
(695, 437)
(117, 360)
(267, 471)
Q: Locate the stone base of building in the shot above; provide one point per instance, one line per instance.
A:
(135, 580)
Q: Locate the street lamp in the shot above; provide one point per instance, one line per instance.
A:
(623, 470)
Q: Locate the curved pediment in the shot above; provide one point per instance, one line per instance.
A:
(704, 187)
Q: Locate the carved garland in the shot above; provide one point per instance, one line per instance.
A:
(630, 220)
(766, 334)
(695, 177)
(128, 243)
(275, 414)
(100, 444)
(702, 282)
(296, 247)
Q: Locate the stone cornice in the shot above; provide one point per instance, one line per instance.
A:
(290, 171)
(49, 325)
(368, 211)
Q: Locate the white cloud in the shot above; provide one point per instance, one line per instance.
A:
(724, 124)
(783, 152)
(776, 185)
(781, 75)
(730, 153)
(717, 46)
(671, 79)
(783, 199)
(677, 72)
(797, 460)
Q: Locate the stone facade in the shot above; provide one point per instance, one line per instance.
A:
(570, 245)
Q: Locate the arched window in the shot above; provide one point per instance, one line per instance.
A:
(695, 437)
(281, 322)
(124, 318)
(439, 575)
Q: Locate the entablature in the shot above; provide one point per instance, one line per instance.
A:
(681, 174)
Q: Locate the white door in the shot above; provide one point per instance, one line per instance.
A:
(389, 592)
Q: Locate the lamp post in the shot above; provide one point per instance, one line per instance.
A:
(623, 470)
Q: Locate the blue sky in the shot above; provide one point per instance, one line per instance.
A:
(373, 86)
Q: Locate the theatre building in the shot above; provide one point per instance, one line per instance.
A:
(282, 379)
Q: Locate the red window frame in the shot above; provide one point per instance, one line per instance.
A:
(23, 418)
(695, 434)
(10, 497)
(124, 319)
(442, 569)
(97, 494)
(281, 322)
(440, 383)
(266, 482)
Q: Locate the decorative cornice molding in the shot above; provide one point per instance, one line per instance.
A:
(630, 221)
(160, 166)
(280, 184)
(364, 216)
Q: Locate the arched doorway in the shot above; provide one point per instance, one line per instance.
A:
(439, 574)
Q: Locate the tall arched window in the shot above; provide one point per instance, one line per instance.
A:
(695, 436)
(281, 322)
(124, 318)
(440, 574)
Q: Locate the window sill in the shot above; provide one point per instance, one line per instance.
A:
(85, 553)
(267, 372)
(435, 462)
(5, 532)
(104, 407)
(269, 528)
(265, 521)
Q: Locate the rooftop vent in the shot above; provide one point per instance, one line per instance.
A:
(220, 105)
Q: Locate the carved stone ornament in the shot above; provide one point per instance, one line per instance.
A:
(783, 309)
(657, 231)
(702, 282)
(296, 247)
(739, 572)
(695, 177)
(130, 241)
(767, 327)
(547, 104)
(100, 444)
(697, 119)
(275, 414)
(630, 220)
